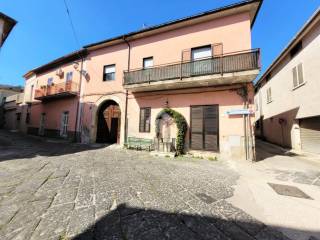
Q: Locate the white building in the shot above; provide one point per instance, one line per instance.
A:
(288, 94)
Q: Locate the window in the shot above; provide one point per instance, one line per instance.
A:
(297, 74)
(201, 63)
(109, 72)
(269, 96)
(64, 124)
(145, 115)
(148, 62)
(201, 52)
(50, 81)
(296, 49)
(69, 76)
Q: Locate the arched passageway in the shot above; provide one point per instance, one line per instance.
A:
(108, 126)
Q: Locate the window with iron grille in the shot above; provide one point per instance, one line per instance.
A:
(145, 116)
(297, 74)
(109, 72)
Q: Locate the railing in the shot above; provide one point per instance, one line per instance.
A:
(56, 89)
(228, 63)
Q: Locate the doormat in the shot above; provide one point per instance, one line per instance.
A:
(287, 190)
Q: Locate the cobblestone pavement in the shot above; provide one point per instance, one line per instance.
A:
(65, 191)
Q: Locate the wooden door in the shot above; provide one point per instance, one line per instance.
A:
(204, 132)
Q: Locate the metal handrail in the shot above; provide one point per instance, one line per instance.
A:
(230, 62)
(48, 90)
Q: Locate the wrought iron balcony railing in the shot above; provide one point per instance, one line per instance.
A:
(57, 90)
(227, 63)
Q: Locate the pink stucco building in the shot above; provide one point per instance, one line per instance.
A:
(201, 66)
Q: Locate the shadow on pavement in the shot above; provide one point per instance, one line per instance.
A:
(266, 150)
(16, 146)
(135, 223)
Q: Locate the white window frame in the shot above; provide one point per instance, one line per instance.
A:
(109, 69)
(201, 52)
(298, 76)
(147, 62)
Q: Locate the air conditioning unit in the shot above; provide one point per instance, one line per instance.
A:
(59, 73)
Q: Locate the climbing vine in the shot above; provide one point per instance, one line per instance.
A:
(181, 125)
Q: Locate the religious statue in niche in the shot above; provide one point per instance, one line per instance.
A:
(167, 133)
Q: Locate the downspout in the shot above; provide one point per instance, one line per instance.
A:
(126, 103)
(76, 136)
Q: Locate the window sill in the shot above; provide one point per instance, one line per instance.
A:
(302, 84)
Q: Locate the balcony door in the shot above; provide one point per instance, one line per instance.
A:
(201, 60)
(204, 132)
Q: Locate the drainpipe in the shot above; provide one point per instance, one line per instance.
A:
(78, 115)
(126, 103)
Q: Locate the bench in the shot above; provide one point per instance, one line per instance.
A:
(139, 143)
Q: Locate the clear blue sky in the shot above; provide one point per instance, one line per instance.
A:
(43, 32)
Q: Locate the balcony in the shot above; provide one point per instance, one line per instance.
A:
(57, 91)
(239, 67)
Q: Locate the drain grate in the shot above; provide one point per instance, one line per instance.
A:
(205, 198)
(287, 190)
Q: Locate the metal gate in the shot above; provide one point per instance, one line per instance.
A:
(310, 134)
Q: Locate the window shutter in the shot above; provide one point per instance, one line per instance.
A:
(197, 128)
(186, 55)
(295, 77)
(211, 128)
(142, 120)
(147, 119)
(300, 74)
(217, 49)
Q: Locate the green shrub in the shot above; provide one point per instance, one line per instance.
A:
(181, 125)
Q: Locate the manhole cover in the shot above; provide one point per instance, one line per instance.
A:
(205, 198)
(287, 190)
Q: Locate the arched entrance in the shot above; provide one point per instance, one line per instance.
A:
(108, 126)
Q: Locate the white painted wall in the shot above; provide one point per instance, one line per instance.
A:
(289, 103)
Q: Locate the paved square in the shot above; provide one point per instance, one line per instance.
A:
(68, 191)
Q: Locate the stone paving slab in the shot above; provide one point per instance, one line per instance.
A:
(53, 191)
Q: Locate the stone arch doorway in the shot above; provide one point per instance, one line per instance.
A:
(108, 126)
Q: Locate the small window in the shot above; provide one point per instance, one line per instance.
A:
(148, 62)
(201, 52)
(69, 76)
(109, 72)
(296, 49)
(297, 74)
(145, 115)
(269, 96)
(50, 81)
